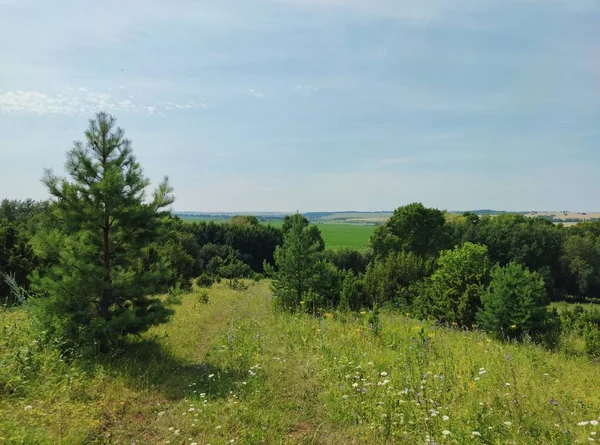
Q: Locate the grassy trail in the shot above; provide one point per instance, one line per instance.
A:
(236, 371)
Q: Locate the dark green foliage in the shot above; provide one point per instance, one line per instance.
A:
(203, 297)
(252, 243)
(412, 228)
(233, 270)
(352, 292)
(535, 243)
(17, 258)
(204, 280)
(390, 279)
(580, 263)
(291, 221)
(97, 289)
(299, 267)
(347, 259)
(515, 304)
(453, 293)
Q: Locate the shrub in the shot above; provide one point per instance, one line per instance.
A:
(453, 293)
(515, 305)
(352, 290)
(204, 280)
(591, 337)
(203, 296)
(388, 279)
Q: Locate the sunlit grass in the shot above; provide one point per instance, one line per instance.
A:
(236, 370)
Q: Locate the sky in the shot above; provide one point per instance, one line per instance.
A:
(314, 105)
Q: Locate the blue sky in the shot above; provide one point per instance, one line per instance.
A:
(279, 105)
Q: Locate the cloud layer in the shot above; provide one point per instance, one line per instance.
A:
(81, 101)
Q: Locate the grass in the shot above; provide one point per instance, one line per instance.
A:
(335, 235)
(237, 370)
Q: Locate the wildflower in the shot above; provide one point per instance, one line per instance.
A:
(446, 433)
(252, 373)
(383, 374)
(583, 423)
(28, 408)
(344, 397)
(482, 371)
(363, 312)
(445, 418)
(594, 422)
(475, 433)
(210, 376)
(507, 384)
(162, 413)
(454, 323)
(177, 432)
(553, 401)
(508, 423)
(355, 385)
(328, 315)
(202, 395)
(514, 326)
(219, 427)
(171, 429)
(591, 439)
(302, 302)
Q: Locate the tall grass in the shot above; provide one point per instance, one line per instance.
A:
(236, 370)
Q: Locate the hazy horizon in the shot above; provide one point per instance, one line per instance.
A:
(303, 104)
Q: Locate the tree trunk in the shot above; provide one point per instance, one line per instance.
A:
(106, 298)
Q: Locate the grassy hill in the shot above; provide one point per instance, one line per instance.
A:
(236, 371)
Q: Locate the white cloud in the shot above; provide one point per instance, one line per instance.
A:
(80, 101)
(256, 93)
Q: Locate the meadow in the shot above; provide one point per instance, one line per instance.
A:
(235, 370)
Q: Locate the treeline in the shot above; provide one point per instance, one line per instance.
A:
(495, 273)
(92, 261)
(199, 249)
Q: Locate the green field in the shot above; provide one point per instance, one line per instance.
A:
(339, 236)
(237, 371)
(335, 235)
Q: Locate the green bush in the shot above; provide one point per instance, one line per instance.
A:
(389, 279)
(591, 337)
(203, 296)
(204, 280)
(515, 305)
(453, 293)
(352, 291)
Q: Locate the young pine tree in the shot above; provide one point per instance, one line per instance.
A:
(299, 265)
(516, 305)
(100, 223)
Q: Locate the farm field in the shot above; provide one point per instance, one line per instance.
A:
(335, 235)
(237, 371)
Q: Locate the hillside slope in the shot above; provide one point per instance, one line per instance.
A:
(236, 371)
